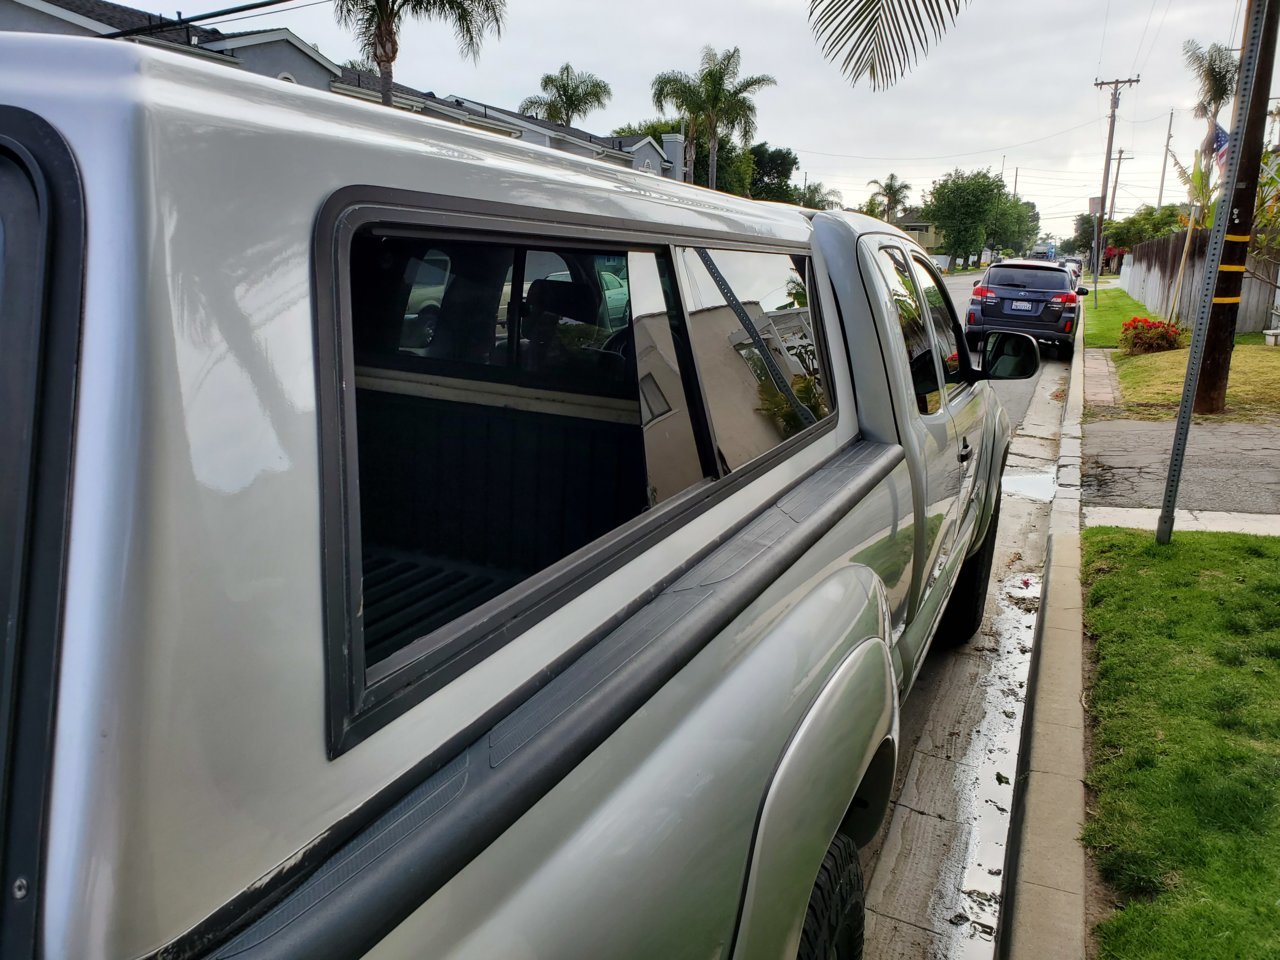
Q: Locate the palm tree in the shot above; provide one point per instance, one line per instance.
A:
(815, 196)
(1274, 116)
(879, 39)
(713, 101)
(1215, 71)
(568, 95)
(893, 192)
(377, 26)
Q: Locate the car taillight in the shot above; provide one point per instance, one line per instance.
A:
(983, 293)
(1065, 298)
(1067, 328)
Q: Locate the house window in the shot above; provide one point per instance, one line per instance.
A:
(286, 77)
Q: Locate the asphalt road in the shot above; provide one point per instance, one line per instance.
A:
(1014, 394)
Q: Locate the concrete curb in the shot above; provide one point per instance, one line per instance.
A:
(1043, 914)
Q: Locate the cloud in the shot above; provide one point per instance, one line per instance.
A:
(1010, 71)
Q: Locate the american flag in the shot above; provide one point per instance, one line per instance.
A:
(1220, 140)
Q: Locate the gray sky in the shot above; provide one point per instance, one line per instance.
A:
(1009, 72)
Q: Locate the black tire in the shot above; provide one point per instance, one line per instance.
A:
(963, 616)
(1066, 349)
(836, 919)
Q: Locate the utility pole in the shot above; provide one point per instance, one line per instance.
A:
(1015, 181)
(1214, 333)
(1116, 86)
(1115, 185)
(1168, 138)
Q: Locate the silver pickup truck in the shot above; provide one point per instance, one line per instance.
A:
(419, 544)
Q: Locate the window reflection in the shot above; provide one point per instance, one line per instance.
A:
(911, 324)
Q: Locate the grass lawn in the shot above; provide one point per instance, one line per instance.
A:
(1102, 323)
(1185, 818)
(1151, 384)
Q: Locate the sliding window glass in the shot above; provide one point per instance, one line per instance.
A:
(513, 403)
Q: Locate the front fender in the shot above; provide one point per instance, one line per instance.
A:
(850, 721)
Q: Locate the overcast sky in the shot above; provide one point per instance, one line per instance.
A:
(1009, 73)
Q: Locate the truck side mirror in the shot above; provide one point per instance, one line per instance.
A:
(1009, 356)
(976, 282)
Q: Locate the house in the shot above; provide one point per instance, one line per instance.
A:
(917, 227)
(281, 54)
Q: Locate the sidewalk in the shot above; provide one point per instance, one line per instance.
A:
(1110, 473)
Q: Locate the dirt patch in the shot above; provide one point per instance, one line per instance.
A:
(1059, 395)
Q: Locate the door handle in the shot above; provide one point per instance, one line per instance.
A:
(966, 451)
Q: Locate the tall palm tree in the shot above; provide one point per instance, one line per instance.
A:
(567, 95)
(1215, 71)
(893, 192)
(879, 39)
(377, 26)
(713, 101)
(1274, 116)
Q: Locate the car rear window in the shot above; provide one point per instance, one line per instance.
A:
(1028, 278)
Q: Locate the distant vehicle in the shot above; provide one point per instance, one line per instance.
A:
(1044, 251)
(1074, 264)
(1027, 296)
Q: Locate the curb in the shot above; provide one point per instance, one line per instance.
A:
(1044, 907)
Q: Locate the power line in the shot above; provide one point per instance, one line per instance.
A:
(1156, 35)
(1102, 45)
(1138, 49)
(165, 24)
(265, 13)
(945, 156)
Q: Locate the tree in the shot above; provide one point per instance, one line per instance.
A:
(736, 168)
(648, 128)
(1202, 192)
(363, 64)
(771, 178)
(879, 39)
(1080, 242)
(962, 205)
(816, 196)
(872, 207)
(1274, 116)
(566, 96)
(893, 192)
(712, 101)
(1146, 223)
(1215, 71)
(377, 26)
(1014, 223)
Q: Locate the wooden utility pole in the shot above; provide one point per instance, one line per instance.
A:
(1211, 390)
(1168, 139)
(1116, 86)
(1115, 187)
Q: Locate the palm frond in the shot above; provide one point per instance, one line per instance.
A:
(535, 106)
(470, 19)
(880, 39)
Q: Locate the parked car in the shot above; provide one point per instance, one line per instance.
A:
(324, 642)
(1028, 296)
(1074, 265)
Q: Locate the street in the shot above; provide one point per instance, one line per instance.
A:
(935, 873)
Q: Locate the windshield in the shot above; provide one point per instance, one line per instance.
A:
(1028, 278)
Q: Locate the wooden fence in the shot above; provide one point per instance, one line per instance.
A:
(1151, 270)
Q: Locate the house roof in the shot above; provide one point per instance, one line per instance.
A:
(118, 17)
(248, 38)
(576, 133)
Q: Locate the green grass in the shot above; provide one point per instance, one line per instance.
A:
(1102, 323)
(1151, 384)
(1185, 821)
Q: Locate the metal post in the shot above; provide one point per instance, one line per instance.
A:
(1232, 223)
(1164, 164)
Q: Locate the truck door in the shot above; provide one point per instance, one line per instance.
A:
(964, 401)
(932, 433)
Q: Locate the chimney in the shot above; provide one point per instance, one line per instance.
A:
(673, 147)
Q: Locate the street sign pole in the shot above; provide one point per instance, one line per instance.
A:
(1233, 223)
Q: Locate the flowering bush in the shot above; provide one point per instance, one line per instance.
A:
(1141, 335)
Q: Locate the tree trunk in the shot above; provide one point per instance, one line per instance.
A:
(713, 148)
(1215, 367)
(384, 82)
(690, 157)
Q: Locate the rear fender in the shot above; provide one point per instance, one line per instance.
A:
(847, 735)
(997, 441)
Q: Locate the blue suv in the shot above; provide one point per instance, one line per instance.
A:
(1026, 296)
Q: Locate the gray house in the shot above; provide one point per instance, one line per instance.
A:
(281, 54)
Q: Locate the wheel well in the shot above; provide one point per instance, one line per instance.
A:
(871, 801)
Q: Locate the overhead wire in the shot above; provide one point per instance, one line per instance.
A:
(264, 13)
